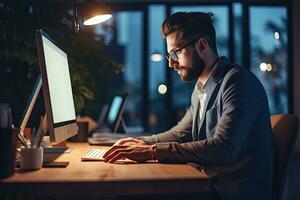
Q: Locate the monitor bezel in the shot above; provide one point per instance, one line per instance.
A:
(50, 121)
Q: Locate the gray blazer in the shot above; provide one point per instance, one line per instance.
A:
(233, 138)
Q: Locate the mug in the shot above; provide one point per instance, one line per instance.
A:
(8, 142)
(8, 145)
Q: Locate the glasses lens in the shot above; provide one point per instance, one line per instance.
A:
(173, 55)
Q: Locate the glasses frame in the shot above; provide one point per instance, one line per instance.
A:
(173, 54)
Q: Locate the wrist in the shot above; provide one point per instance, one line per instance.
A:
(142, 140)
(153, 152)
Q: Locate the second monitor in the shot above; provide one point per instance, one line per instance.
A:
(113, 116)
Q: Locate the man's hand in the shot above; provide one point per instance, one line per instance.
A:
(129, 141)
(137, 152)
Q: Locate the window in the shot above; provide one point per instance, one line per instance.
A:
(125, 44)
(153, 87)
(268, 53)
(157, 70)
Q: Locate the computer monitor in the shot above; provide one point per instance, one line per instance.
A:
(115, 112)
(111, 115)
(57, 89)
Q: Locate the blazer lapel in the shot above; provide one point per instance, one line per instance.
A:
(195, 120)
(210, 90)
(213, 83)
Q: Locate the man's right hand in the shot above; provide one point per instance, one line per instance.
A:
(129, 141)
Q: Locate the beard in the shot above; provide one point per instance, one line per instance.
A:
(192, 72)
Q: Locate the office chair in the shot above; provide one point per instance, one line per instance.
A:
(285, 129)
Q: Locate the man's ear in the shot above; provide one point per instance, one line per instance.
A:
(201, 44)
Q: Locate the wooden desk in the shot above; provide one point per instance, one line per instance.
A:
(99, 179)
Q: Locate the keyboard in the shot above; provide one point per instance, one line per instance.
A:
(101, 141)
(94, 155)
(110, 135)
(97, 155)
(104, 138)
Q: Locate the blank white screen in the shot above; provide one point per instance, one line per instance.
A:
(59, 82)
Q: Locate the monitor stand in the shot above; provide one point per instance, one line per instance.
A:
(56, 149)
(123, 124)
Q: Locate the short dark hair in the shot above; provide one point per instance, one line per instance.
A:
(191, 25)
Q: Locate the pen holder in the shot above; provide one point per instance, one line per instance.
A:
(8, 145)
(31, 158)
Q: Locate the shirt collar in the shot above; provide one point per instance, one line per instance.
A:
(203, 87)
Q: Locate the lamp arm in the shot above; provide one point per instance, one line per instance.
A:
(75, 23)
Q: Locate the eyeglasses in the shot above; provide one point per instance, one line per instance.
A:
(173, 54)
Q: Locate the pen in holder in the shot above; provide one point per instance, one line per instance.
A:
(37, 138)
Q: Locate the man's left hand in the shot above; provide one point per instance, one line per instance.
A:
(137, 152)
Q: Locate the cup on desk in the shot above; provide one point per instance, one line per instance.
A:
(8, 141)
(31, 158)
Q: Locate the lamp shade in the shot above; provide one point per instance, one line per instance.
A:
(94, 13)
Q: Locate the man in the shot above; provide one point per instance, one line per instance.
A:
(227, 127)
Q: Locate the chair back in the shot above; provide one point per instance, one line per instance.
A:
(285, 128)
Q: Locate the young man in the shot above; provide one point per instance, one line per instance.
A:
(227, 127)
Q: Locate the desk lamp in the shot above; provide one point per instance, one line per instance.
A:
(91, 13)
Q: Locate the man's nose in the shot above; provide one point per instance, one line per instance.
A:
(173, 64)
